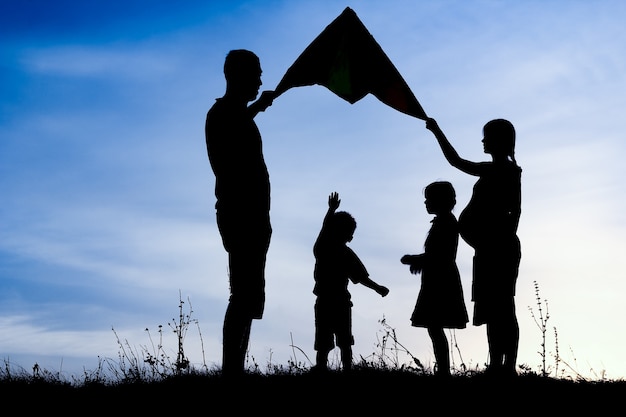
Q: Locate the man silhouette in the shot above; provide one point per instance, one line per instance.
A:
(242, 191)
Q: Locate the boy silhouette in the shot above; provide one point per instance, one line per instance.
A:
(335, 265)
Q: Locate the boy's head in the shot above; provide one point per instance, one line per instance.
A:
(440, 197)
(343, 226)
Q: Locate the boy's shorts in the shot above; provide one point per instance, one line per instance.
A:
(333, 325)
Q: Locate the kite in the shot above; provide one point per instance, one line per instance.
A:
(346, 59)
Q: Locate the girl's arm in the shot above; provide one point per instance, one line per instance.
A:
(415, 262)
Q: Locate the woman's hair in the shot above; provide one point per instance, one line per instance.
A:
(442, 192)
(505, 132)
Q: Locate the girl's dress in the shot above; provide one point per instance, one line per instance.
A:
(440, 302)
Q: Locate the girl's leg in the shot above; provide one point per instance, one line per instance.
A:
(441, 350)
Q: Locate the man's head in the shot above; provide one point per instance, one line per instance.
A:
(242, 70)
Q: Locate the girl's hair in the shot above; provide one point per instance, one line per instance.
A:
(442, 192)
(505, 132)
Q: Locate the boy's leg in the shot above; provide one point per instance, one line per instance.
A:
(324, 335)
(344, 336)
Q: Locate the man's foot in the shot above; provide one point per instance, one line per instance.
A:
(319, 369)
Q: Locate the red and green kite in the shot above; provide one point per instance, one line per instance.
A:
(346, 59)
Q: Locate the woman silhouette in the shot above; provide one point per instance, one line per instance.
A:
(489, 224)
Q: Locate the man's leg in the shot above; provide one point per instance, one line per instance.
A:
(346, 358)
(236, 336)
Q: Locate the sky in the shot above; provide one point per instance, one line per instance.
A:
(107, 219)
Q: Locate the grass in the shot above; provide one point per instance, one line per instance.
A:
(369, 389)
(149, 381)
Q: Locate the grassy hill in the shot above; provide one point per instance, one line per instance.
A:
(366, 390)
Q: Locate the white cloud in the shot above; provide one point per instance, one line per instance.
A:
(98, 61)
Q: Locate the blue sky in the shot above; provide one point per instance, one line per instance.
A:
(107, 192)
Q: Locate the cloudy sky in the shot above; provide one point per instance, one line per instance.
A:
(107, 216)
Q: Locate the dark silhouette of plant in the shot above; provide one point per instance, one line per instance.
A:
(541, 321)
(388, 356)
